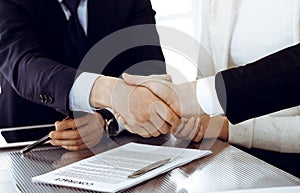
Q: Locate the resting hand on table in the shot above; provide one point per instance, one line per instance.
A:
(143, 112)
(80, 133)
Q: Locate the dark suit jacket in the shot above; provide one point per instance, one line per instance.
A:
(262, 87)
(32, 62)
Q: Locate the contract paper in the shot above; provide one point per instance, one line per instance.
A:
(109, 171)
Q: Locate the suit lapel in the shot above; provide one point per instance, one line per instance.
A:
(222, 20)
(100, 19)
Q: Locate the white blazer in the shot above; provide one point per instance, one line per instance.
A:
(278, 131)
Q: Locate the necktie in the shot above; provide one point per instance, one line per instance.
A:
(75, 40)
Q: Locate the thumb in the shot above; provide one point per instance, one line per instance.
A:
(159, 87)
(139, 80)
(165, 77)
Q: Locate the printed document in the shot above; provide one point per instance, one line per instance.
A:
(109, 171)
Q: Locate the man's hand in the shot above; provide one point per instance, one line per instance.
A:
(145, 114)
(194, 125)
(181, 98)
(77, 134)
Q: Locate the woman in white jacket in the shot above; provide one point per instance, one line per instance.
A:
(237, 32)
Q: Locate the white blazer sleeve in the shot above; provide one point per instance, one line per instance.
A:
(276, 132)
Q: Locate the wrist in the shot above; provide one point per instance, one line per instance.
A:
(101, 93)
(224, 131)
(188, 103)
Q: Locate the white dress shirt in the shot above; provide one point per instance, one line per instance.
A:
(84, 83)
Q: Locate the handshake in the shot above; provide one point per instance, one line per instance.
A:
(152, 105)
(145, 105)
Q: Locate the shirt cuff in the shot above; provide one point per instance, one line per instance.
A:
(207, 96)
(79, 97)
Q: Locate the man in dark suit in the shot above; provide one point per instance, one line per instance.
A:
(38, 67)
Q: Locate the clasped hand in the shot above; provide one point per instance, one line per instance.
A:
(150, 105)
(139, 109)
(180, 98)
(147, 106)
(194, 124)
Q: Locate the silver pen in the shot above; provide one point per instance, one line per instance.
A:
(35, 144)
(148, 168)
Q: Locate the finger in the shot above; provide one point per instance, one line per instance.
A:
(79, 147)
(68, 134)
(136, 80)
(136, 129)
(160, 88)
(165, 77)
(140, 129)
(179, 127)
(65, 124)
(151, 130)
(187, 129)
(194, 130)
(166, 114)
(199, 135)
(162, 126)
(75, 148)
(66, 142)
(159, 123)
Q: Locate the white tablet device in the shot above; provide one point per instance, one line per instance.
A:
(21, 136)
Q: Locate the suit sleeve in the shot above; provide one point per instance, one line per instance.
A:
(29, 71)
(143, 59)
(262, 87)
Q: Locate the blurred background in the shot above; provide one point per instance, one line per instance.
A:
(183, 15)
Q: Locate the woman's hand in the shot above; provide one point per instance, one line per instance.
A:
(195, 129)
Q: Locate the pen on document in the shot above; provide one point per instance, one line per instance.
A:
(35, 144)
(148, 168)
